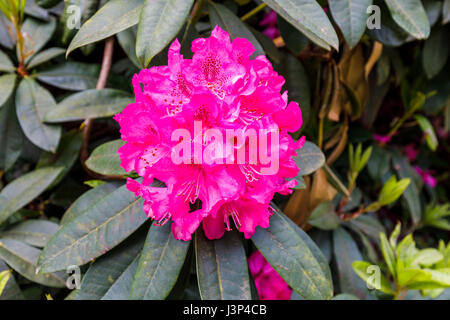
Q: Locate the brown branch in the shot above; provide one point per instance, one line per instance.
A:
(88, 123)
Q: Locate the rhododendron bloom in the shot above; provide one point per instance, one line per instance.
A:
(268, 282)
(178, 132)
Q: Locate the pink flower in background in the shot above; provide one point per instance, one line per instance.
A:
(411, 152)
(382, 139)
(221, 89)
(426, 176)
(270, 23)
(269, 284)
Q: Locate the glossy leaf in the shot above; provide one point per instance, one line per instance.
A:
(94, 232)
(38, 33)
(291, 257)
(411, 16)
(159, 265)
(309, 158)
(308, 17)
(90, 104)
(159, 22)
(428, 130)
(105, 159)
(324, 216)
(32, 103)
(21, 191)
(222, 271)
(5, 63)
(113, 17)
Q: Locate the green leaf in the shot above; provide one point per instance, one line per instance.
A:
(297, 84)
(411, 16)
(308, 17)
(121, 288)
(411, 193)
(22, 258)
(345, 296)
(346, 252)
(12, 289)
(268, 45)
(428, 130)
(351, 17)
(159, 265)
(11, 136)
(427, 257)
(5, 63)
(21, 191)
(292, 258)
(88, 200)
(65, 156)
(379, 162)
(435, 52)
(362, 269)
(107, 270)
(38, 33)
(324, 216)
(105, 159)
(94, 232)
(44, 56)
(90, 104)
(32, 103)
(33, 232)
(368, 225)
(310, 158)
(388, 254)
(74, 76)
(294, 39)
(222, 272)
(7, 83)
(127, 40)
(333, 179)
(159, 22)
(228, 21)
(114, 17)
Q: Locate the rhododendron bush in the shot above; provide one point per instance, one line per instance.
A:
(181, 149)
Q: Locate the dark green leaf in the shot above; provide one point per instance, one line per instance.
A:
(309, 159)
(346, 252)
(5, 63)
(411, 16)
(11, 136)
(308, 17)
(74, 76)
(90, 104)
(22, 258)
(37, 34)
(295, 40)
(222, 271)
(159, 22)
(435, 51)
(32, 103)
(228, 21)
(105, 159)
(351, 17)
(108, 269)
(127, 40)
(113, 17)
(159, 265)
(324, 216)
(19, 192)
(44, 56)
(94, 232)
(292, 258)
(33, 232)
(87, 200)
(12, 289)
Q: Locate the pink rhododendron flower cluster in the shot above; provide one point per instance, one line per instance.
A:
(222, 88)
(268, 282)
